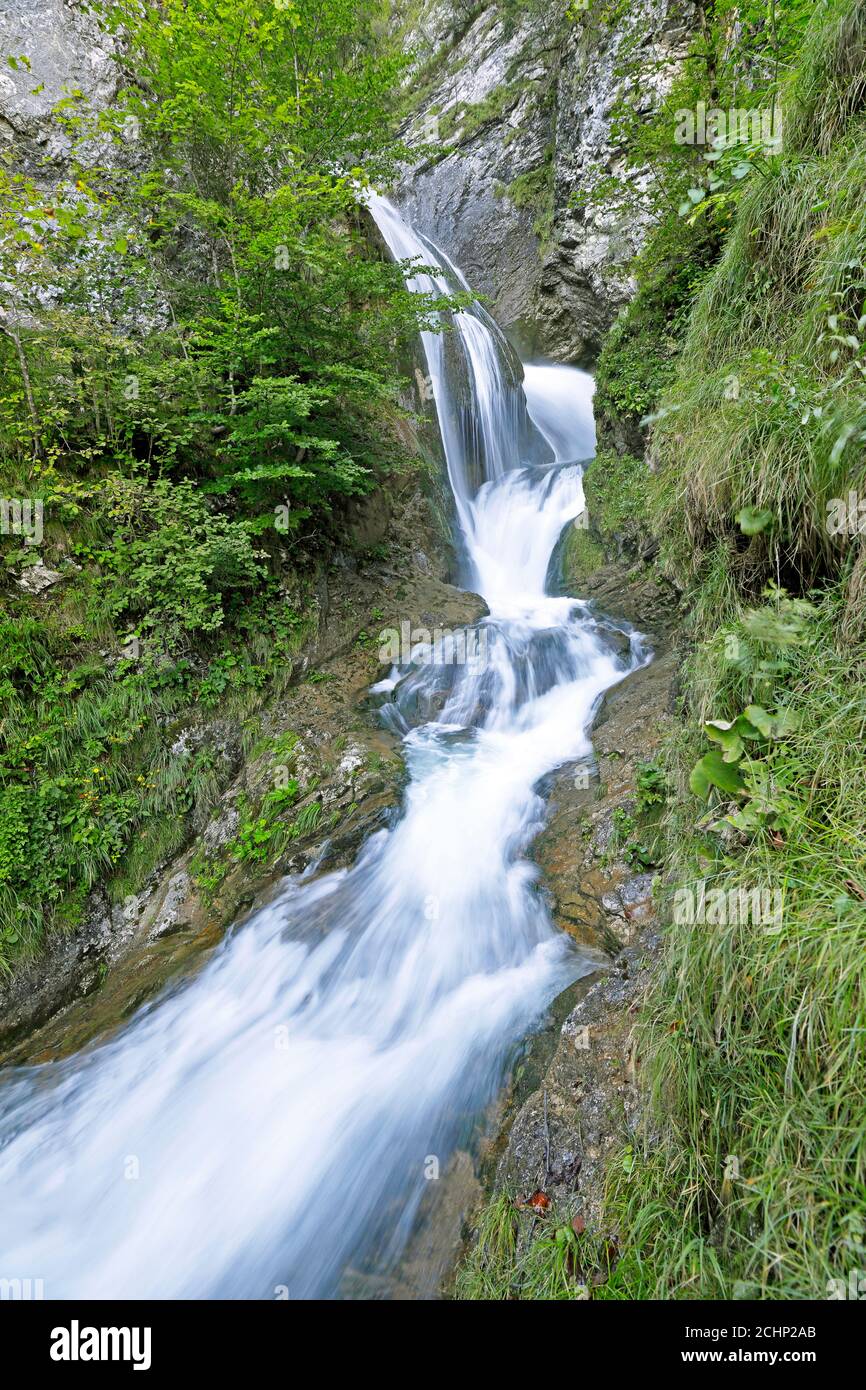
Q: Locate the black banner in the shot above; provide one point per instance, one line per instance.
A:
(80, 1339)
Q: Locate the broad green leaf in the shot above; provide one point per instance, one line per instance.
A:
(753, 520)
(762, 721)
(713, 771)
(720, 731)
(778, 725)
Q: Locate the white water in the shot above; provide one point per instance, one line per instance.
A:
(280, 1107)
(559, 400)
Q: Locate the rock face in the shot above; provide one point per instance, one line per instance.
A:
(573, 1112)
(522, 118)
(66, 51)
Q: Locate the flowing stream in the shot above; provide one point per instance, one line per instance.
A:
(269, 1125)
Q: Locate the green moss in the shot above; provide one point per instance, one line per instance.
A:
(464, 119)
(581, 556)
(616, 487)
(639, 357)
(534, 191)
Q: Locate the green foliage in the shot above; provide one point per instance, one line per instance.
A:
(463, 120)
(616, 488)
(534, 191)
(248, 329)
(175, 559)
(518, 1254)
(748, 1182)
(650, 785)
(764, 423)
(753, 1040)
(196, 351)
(638, 358)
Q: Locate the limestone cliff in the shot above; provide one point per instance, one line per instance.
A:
(516, 105)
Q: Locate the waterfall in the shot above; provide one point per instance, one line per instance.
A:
(273, 1123)
(482, 411)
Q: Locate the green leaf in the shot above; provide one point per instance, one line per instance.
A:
(713, 771)
(753, 520)
(762, 721)
(774, 726)
(720, 731)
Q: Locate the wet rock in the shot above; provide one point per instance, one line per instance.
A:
(530, 96)
(173, 913)
(559, 1134)
(220, 831)
(636, 894)
(35, 579)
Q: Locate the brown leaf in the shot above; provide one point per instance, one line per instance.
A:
(856, 889)
(578, 1225)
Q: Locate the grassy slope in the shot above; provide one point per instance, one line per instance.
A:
(751, 1182)
(754, 1042)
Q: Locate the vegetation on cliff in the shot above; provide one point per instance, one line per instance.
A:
(732, 414)
(198, 357)
(753, 1039)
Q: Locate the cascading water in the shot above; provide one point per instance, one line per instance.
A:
(280, 1107)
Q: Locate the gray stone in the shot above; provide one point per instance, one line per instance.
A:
(35, 579)
(551, 88)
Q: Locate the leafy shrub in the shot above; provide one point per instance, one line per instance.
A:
(176, 559)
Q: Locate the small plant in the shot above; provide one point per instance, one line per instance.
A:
(307, 820)
(651, 786)
(280, 798)
(254, 840)
(208, 873)
(744, 764)
(623, 823)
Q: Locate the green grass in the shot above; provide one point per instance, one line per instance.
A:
(754, 1039)
(750, 1177)
(747, 1176)
(768, 409)
(616, 489)
(464, 119)
(518, 1254)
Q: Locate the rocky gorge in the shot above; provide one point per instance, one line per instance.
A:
(424, 324)
(524, 111)
(520, 111)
